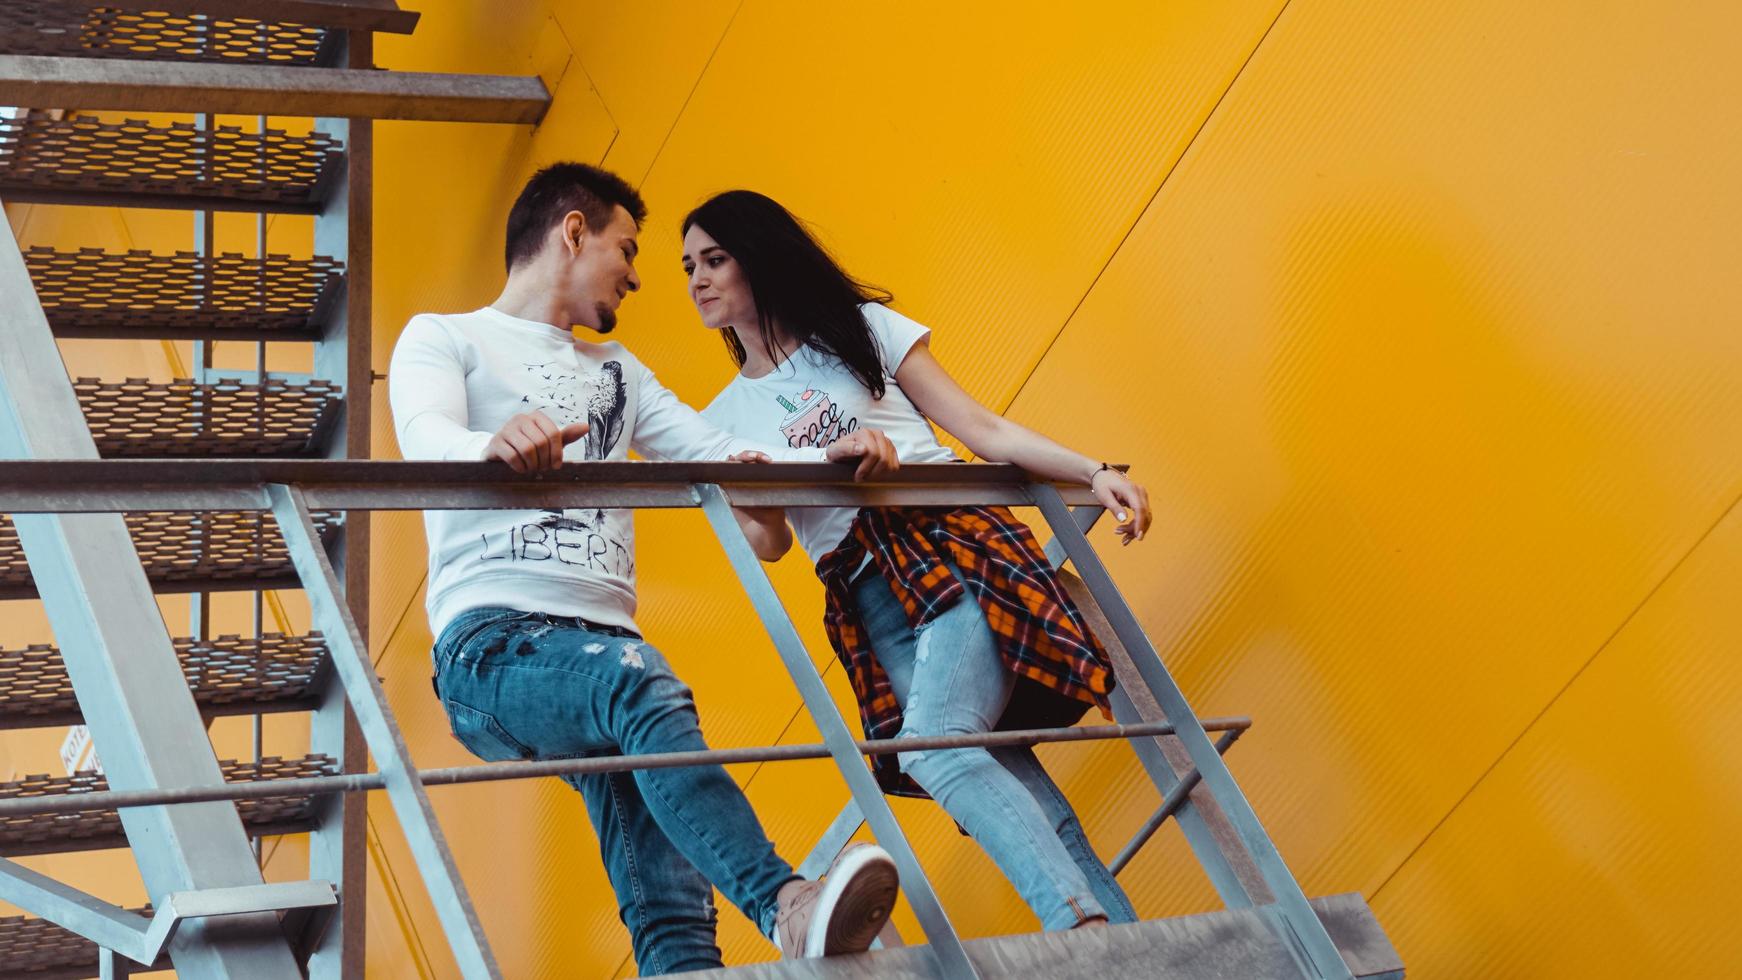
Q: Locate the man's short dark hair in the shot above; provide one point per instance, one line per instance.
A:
(555, 191)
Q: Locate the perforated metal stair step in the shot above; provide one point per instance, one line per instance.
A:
(229, 675)
(90, 830)
(177, 165)
(136, 418)
(269, 32)
(184, 296)
(69, 28)
(36, 949)
(214, 551)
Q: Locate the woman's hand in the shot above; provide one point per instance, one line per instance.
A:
(1126, 498)
(875, 453)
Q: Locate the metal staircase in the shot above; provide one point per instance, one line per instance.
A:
(120, 489)
(70, 62)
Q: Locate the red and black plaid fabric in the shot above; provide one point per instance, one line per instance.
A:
(1041, 635)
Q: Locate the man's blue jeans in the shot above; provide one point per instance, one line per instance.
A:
(520, 685)
(950, 680)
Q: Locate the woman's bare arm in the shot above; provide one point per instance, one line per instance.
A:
(995, 438)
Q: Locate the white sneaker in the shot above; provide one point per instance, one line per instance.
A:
(844, 911)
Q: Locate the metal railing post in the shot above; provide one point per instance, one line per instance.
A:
(356, 674)
(1220, 854)
(1292, 911)
(946, 945)
(344, 230)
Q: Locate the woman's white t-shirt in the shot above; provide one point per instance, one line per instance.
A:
(811, 400)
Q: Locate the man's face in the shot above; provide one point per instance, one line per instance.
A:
(601, 268)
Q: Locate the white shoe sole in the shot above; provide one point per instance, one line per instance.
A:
(854, 903)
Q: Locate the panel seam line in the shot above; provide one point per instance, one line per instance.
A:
(1556, 697)
(692, 94)
(1132, 228)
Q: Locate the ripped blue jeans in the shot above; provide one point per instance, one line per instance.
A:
(950, 680)
(520, 685)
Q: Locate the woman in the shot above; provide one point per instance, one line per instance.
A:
(820, 355)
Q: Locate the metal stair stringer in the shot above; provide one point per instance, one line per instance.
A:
(121, 660)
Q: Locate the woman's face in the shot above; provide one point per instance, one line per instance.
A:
(718, 286)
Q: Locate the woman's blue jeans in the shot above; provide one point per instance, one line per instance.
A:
(950, 680)
(519, 685)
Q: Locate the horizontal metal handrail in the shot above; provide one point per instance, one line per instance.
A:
(498, 771)
(106, 486)
(143, 85)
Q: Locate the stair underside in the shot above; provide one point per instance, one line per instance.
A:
(90, 830)
(57, 27)
(138, 164)
(91, 293)
(214, 551)
(228, 675)
(225, 418)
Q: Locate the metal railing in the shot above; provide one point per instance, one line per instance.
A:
(290, 489)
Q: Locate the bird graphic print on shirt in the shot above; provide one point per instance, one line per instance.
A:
(577, 536)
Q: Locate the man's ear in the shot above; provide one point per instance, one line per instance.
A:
(574, 231)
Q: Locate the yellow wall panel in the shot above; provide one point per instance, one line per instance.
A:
(1420, 353)
(982, 168)
(1600, 845)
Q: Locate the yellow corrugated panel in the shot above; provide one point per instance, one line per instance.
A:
(1601, 844)
(1426, 355)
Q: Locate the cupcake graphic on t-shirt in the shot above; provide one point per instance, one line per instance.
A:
(811, 422)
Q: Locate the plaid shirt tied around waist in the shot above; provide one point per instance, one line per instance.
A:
(1042, 637)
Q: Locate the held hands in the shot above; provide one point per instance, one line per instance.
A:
(765, 527)
(873, 450)
(530, 441)
(769, 517)
(1126, 499)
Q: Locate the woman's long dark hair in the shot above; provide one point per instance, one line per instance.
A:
(795, 282)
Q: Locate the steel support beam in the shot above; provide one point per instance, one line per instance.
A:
(345, 231)
(1291, 910)
(277, 90)
(1212, 839)
(350, 659)
(141, 939)
(946, 946)
(119, 656)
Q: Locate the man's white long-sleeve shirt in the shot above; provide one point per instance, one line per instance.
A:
(455, 379)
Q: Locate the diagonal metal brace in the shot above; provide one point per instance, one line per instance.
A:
(1316, 952)
(134, 936)
(350, 659)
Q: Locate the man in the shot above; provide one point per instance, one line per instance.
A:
(537, 654)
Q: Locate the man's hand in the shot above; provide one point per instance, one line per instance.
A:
(873, 450)
(530, 441)
(1126, 499)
